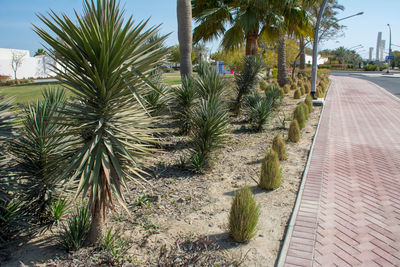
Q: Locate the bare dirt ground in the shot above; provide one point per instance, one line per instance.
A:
(185, 213)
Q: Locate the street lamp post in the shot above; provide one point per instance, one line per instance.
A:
(390, 48)
(315, 45)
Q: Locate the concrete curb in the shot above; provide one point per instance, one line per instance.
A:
(385, 91)
(282, 254)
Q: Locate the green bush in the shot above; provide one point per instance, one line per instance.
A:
(58, 209)
(40, 151)
(299, 115)
(309, 103)
(302, 90)
(307, 87)
(371, 67)
(113, 243)
(75, 232)
(278, 145)
(263, 84)
(294, 131)
(247, 79)
(274, 94)
(271, 171)
(184, 99)
(158, 96)
(210, 121)
(243, 216)
(305, 110)
(297, 94)
(209, 83)
(286, 88)
(258, 110)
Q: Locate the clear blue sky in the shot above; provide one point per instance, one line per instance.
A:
(16, 17)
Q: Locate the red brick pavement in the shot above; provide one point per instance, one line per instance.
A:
(349, 214)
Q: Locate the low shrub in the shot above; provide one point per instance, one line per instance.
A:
(302, 90)
(278, 145)
(297, 94)
(305, 109)
(258, 110)
(371, 67)
(263, 84)
(271, 171)
(210, 121)
(184, 99)
(299, 115)
(294, 131)
(77, 228)
(58, 209)
(307, 87)
(309, 103)
(243, 216)
(113, 243)
(286, 88)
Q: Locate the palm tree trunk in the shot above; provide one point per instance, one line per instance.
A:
(252, 43)
(96, 227)
(184, 14)
(302, 54)
(282, 72)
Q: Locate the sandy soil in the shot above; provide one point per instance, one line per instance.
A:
(181, 205)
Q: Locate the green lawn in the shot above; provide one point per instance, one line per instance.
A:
(172, 78)
(29, 92)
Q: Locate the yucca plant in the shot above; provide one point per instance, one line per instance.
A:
(6, 186)
(105, 61)
(243, 216)
(258, 110)
(76, 229)
(209, 83)
(246, 80)
(271, 172)
(274, 94)
(58, 209)
(40, 151)
(184, 99)
(210, 121)
(157, 96)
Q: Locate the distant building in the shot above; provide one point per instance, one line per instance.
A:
(382, 49)
(371, 52)
(320, 60)
(39, 66)
(378, 46)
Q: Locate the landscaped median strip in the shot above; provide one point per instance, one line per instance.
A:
(285, 247)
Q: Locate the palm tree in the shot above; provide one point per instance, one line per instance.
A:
(105, 62)
(184, 14)
(238, 21)
(294, 20)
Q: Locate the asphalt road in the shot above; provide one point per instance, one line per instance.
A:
(390, 82)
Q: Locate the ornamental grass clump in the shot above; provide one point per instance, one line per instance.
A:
(286, 88)
(271, 171)
(299, 115)
(307, 87)
(243, 216)
(278, 145)
(297, 94)
(302, 90)
(309, 103)
(294, 131)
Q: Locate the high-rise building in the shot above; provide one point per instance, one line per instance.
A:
(371, 52)
(382, 48)
(378, 46)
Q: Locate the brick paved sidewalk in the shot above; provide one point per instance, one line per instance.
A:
(349, 213)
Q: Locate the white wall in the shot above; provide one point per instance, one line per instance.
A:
(35, 67)
(321, 60)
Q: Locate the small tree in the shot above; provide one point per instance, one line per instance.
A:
(16, 61)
